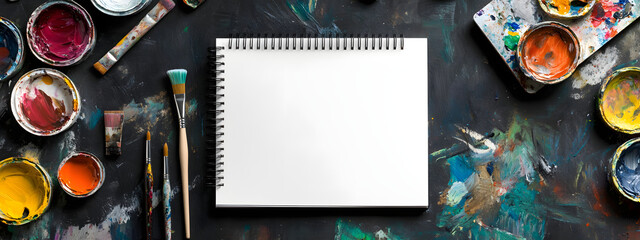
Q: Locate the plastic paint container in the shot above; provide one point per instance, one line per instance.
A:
(548, 52)
(567, 9)
(45, 102)
(120, 7)
(619, 100)
(11, 49)
(61, 33)
(25, 191)
(625, 169)
(81, 174)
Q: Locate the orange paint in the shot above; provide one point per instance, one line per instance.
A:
(549, 53)
(80, 174)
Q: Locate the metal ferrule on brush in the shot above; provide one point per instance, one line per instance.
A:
(148, 153)
(180, 98)
(166, 167)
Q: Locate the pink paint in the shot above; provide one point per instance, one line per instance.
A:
(61, 33)
(43, 112)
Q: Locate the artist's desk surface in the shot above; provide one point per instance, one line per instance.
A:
(546, 178)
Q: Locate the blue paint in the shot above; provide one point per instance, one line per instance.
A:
(94, 118)
(10, 51)
(460, 168)
(628, 170)
(512, 26)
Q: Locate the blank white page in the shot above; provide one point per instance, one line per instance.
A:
(324, 128)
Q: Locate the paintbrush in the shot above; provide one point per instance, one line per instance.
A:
(166, 190)
(154, 16)
(149, 186)
(113, 121)
(193, 3)
(178, 79)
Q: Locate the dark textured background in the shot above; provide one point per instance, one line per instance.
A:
(470, 89)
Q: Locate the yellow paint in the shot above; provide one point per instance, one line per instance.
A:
(47, 80)
(25, 191)
(563, 6)
(620, 102)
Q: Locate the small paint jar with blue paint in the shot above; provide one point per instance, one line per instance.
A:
(625, 169)
(11, 49)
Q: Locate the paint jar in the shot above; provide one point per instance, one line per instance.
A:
(625, 169)
(45, 102)
(619, 101)
(61, 33)
(11, 49)
(548, 52)
(81, 174)
(567, 9)
(24, 179)
(120, 7)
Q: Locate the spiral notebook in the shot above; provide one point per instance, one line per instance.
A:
(321, 122)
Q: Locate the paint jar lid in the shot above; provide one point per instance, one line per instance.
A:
(619, 102)
(573, 9)
(624, 169)
(45, 102)
(42, 48)
(120, 7)
(81, 174)
(11, 50)
(36, 189)
(534, 66)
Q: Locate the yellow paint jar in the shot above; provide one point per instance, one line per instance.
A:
(25, 191)
(619, 100)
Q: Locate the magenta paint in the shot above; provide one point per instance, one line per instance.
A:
(61, 33)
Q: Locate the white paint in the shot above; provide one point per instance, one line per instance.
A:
(119, 5)
(577, 96)
(596, 70)
(455, 194)
(381, 235)
(490, 146)
(119, 215)
(526, 9)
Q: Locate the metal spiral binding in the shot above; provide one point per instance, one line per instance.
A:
(316, 42)
(215, 148)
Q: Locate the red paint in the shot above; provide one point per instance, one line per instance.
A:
(80, 174)
(598, 204)
(61, 33)
(5, 60)
(44, 112)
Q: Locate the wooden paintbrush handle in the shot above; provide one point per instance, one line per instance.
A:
(184, 169)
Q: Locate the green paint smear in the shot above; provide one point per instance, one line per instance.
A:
(350, 231)
(302, 8)
(511, 42)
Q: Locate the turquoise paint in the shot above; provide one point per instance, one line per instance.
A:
(192, 106)
(94, 118)
(346, 230)
(304, 10)
(153, 108)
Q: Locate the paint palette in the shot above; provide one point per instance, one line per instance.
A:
(25, 191)
(504, 21)
(11, 49)
(45, 102)
(625, 169)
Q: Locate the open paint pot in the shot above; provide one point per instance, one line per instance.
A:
(45, 102)
(120, 7)
(548, 52)
(61, 33)
(619, 100)
(567, 9)
(81, 174)
(25, 191)
(625, 169)
(11, 49)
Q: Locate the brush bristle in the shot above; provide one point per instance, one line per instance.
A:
(178, 79)
(113, 118)
(165, 150)
(148, 136)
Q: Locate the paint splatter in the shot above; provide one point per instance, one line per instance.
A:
(596, 69)
(66, 146)
(346, 230)
(30, 151)
(192, 107)
(610, 12)
(511, 35)
(114, 221)
(494, 187)
(150, 112)
(94, 118)
(304, 11)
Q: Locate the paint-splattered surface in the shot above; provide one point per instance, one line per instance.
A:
(504, 21)
(537, 170)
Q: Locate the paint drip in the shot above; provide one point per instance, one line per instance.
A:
(620, 100)
(549, 53)
(81, 174)
(25, 191)
(61, 32)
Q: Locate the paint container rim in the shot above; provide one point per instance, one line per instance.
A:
(48, 194)
(586, 9)
(143, 4)
(20, 56)
(603, 88)
(88, 20)
(612, 170)
(538, 26)
(16, 109)
(100, 169)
